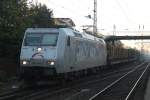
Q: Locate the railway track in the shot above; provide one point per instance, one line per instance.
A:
(13, 94)
(79, 90)
(86, 90)
(122, 88)
(17, 93)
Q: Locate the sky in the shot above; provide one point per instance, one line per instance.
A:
(124, 14)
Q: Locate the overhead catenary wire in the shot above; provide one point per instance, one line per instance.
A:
(67, 9)
(74, 15)
(124, 12)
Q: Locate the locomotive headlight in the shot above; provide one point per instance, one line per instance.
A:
(24, 62)
(39, 49)
(52, 63)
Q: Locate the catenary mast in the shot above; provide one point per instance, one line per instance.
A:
(95, 18)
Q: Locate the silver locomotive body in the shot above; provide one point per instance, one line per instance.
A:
(53, 51)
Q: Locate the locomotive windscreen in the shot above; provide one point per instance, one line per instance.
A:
(41, 39)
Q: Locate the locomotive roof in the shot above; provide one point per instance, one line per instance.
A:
(33, 30)
(68, 31)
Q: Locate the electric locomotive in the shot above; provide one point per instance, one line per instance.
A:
(56, 51)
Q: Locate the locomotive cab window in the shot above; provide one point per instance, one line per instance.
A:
(41, 39)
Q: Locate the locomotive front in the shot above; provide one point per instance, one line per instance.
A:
(39, 52)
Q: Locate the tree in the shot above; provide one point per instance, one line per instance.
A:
(15, 17)
(41, 16)
(12, 15)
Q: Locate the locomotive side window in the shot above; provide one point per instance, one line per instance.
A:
(68, 41)
(77, 34)
(41, 39)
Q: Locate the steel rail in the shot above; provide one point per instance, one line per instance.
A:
(116, 81)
